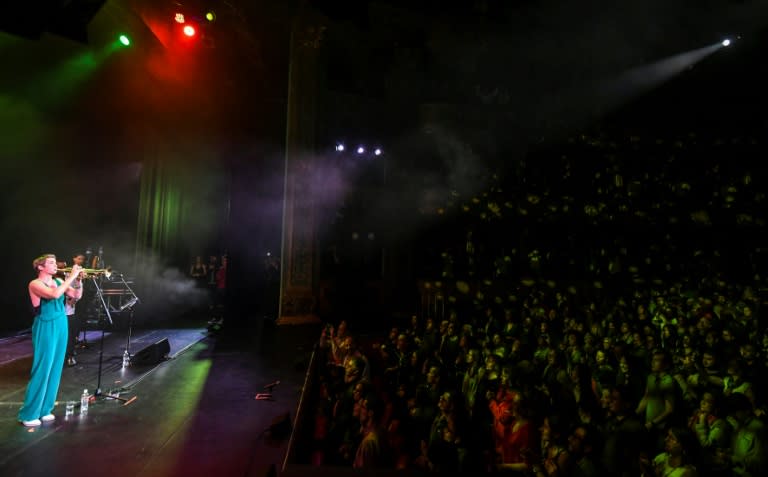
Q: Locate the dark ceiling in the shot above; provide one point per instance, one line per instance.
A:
(515, 57)
(32, 18)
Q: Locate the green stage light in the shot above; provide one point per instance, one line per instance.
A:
(210, 16)
(124, 40)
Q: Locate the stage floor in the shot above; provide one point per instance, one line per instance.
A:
(194, 414)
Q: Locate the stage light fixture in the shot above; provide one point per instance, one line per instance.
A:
(365, 151)
(124, 40)
(179, 18)
(189, 30)
(726, 42)
(210, 16)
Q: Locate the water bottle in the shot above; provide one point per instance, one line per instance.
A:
(84, 402)
(126, 359)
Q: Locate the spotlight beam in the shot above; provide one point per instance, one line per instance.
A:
(646, 77)
(579, 104)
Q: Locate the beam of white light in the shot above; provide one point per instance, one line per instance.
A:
(583, 102)
(726, 42)
(644, 78)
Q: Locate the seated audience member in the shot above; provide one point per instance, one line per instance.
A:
(748, 453)
(679, 456)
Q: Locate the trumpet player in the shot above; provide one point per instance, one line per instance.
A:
(73, 326)
(49, 338)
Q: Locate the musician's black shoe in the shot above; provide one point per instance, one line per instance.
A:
(71, 361)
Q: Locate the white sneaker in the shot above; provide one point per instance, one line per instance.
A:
(48, 418)
(32, 423)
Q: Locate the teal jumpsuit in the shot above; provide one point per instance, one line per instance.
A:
(49, 344)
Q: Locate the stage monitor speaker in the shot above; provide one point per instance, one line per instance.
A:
(152, 354)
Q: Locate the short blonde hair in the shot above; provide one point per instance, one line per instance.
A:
(40, 261)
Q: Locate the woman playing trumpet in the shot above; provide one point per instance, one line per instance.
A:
(49, 337)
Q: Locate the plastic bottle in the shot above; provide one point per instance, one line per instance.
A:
(126, 359)
(84, 402)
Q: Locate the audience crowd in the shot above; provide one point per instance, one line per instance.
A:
(630, 365)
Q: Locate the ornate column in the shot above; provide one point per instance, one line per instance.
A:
(298, 277)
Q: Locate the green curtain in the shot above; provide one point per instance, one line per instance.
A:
(183, 205)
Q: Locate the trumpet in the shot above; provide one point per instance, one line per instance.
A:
(89, 272)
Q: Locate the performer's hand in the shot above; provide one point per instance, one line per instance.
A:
(76, 270)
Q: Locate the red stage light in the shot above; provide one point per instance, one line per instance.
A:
(189, 30)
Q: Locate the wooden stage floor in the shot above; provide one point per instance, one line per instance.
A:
(193, 414)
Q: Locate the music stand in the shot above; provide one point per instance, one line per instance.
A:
(108, 314)
(128, 305)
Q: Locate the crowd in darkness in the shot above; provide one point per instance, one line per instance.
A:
(639, 352)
